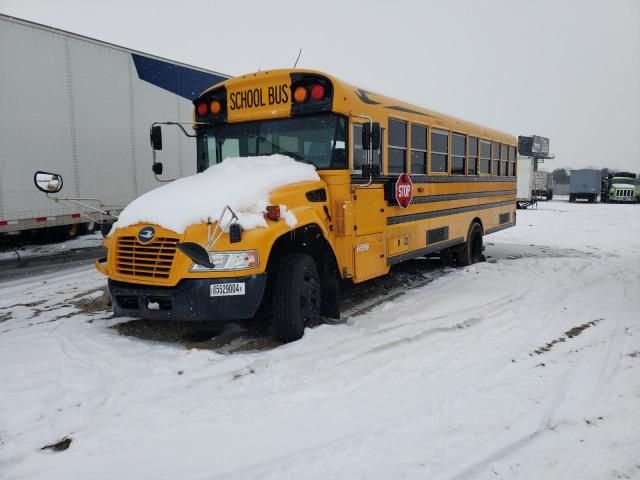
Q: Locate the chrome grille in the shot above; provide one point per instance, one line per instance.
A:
(624, 193)
(152, 260)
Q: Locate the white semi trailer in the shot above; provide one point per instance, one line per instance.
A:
(83, 108)
(525, 169)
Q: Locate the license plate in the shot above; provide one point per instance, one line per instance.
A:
(226, 289)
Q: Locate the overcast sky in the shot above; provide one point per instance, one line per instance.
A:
(565, 69)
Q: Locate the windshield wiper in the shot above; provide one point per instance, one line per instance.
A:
(296, 156)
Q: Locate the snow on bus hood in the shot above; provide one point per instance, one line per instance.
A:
(242, 183)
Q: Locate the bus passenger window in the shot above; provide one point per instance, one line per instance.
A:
(458, 154)
(504, 163)
(512, 161)
(485, 156)
(439, 151)
(418, 149)
(473, 156)
(495, 155)
(397, 146)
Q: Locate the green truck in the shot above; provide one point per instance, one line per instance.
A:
(621, 187)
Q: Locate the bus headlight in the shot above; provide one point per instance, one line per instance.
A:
(225, 261)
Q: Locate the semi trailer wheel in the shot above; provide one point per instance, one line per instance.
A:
(296, 297)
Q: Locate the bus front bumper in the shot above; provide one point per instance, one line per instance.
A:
(190, 300)
(614, 198)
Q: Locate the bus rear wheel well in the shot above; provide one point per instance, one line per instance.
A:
(310, 240)
(479, 222)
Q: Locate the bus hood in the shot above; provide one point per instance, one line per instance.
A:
(244, 184)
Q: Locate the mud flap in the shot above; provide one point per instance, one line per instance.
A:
(329, 291)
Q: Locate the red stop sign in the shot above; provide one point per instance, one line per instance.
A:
(404, 190)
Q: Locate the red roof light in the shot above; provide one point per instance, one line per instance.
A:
(317, 92)
(202, 109)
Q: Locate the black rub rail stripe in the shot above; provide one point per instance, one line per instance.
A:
(427, 179)
(458, 196)
(498, 228)
(425, 251)
(443, 213)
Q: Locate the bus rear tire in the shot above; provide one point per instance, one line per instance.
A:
(471, 251)
(296, 297)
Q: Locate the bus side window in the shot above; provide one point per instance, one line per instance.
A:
(459, 154)
(473, 156)
(512, 161)
(418, 149)
(495, 162)
(397, 161)
(485, 157)
(439, 162)
(504, 160)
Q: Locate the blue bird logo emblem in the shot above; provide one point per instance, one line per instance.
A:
(146, 234)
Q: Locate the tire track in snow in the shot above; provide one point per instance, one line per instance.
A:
(544, 425)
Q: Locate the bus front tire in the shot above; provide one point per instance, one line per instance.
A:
(296, 297)
(471, 251)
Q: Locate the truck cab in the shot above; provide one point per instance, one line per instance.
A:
(623, 189)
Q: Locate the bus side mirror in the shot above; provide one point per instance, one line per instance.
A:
(371, 136)
(157, 168)
(48, 182)
(197, 253)
(370, 171)
(156, 137)
(375, 137)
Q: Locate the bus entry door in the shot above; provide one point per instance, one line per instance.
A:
(369, 248)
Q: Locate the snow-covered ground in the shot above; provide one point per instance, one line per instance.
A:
(525, 366)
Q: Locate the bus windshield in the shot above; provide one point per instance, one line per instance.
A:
(316, 139)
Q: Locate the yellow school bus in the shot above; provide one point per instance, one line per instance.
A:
(396, 182)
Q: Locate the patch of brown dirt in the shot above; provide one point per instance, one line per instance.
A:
(60, 446)
(574, 332)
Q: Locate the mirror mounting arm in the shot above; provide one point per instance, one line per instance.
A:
(155, 125)
(80, 201)
(369, 152)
